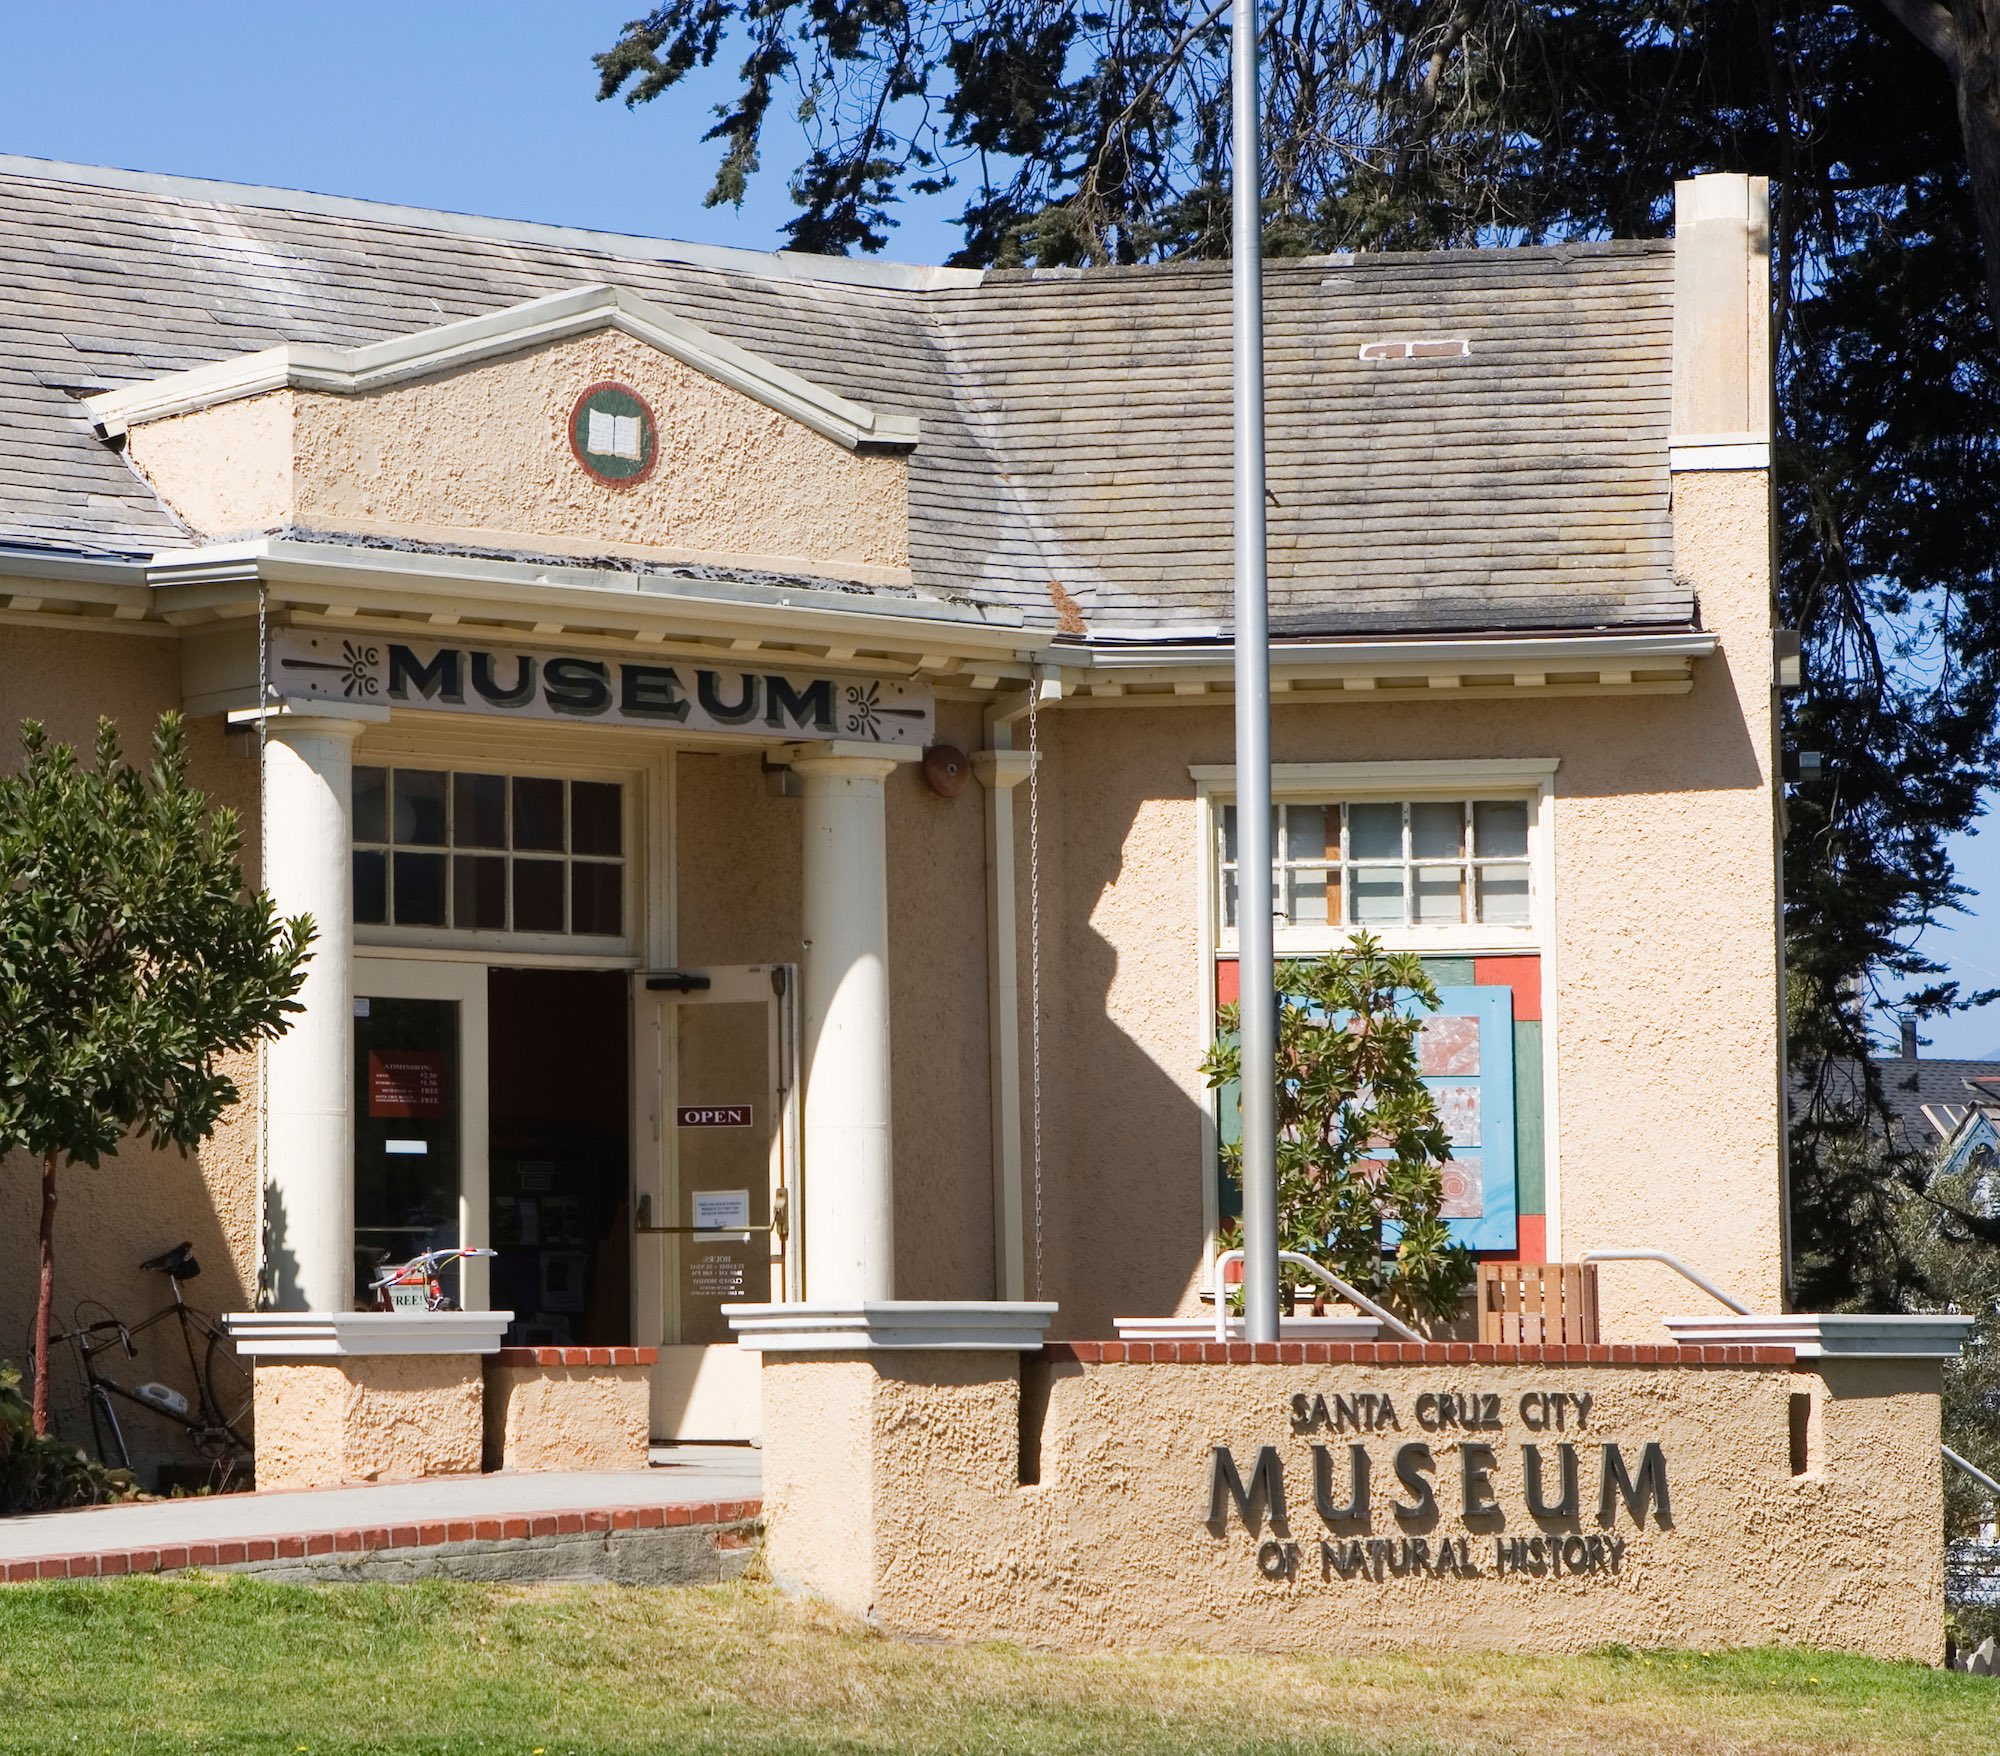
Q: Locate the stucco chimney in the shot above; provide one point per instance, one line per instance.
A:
(1722, 311)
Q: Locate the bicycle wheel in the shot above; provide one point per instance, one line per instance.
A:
(226, 1388)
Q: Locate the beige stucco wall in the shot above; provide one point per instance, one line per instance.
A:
(480, 456)
(142, 1201)
(928, 1530)
(566, 1417)
(1666, 1024)
(376, 1418)
(225, 471)
(737, 895)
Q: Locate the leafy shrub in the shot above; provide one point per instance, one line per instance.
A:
(39, 1472)
(1360, 1147)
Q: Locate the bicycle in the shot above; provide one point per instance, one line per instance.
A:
(418, 1284)
(217, 1427)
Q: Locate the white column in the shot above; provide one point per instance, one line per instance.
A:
(849, 1203)
(1001, 771)
(308, 861)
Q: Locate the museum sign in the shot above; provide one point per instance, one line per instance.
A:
(1445, 1463)
(516, 683)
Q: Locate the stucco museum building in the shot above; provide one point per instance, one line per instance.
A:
(754, 733)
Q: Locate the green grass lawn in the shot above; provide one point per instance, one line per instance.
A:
(222, 1664)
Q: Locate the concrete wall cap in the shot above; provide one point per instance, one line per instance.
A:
(1829, 1335)
(319, 1335)
(869, 1325)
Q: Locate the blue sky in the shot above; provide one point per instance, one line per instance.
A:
(491, 109)
(488, 108)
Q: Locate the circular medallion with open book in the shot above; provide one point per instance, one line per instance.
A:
(613, 435)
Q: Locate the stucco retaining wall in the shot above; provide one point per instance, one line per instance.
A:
(374, 1418)
(568, 1407)
(893, 1488)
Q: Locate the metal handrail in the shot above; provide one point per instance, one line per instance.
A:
(1677, 1265)
(1313, 1268)
(1971, 1469)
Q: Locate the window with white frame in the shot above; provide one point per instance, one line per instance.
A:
(479, 852)
(1394, 849)
(1389, 863)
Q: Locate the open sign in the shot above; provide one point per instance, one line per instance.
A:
(713, 1115)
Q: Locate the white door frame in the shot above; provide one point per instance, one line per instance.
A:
(419, 978)
(655, 1095)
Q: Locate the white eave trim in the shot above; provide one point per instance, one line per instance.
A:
(1420, 655)
(350, 371)
(1554, 664)
(608, 600)
(1724, 451)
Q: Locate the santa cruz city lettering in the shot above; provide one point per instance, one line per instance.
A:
(378, 671)
(1378, 1500)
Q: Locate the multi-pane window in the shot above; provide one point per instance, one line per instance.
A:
(488, 852)
(1391, 863)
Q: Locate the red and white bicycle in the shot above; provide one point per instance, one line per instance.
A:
(418, 1285)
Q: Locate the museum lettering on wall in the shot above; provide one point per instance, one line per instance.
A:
(517, 683)
(1384, 1478)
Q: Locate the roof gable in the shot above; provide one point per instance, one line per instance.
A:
(450, 346)
(587, 442)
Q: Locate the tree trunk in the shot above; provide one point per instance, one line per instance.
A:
(45, 1302)
(1977, 79)
(1965, 36)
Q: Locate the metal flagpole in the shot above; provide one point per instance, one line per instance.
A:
(1253, 709)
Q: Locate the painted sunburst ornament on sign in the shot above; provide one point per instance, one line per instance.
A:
(613, 435)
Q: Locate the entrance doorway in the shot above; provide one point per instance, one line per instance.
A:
(559, 1155)
(717, 1117)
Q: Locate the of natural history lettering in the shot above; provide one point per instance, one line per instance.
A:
(1445, 1494)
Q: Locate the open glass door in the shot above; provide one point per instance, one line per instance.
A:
(419, 1117)
(718, 1135)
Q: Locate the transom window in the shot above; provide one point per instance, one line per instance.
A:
(489, 852)
(1384, 864)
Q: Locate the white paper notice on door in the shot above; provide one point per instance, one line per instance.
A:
(721, 1210)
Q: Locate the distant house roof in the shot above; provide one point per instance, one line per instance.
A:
(1466, 441)
(1940, 1109)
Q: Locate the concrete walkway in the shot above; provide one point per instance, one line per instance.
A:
(709, 1477)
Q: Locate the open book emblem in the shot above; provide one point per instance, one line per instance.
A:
(612, 434)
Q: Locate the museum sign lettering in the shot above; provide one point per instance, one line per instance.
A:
(669, 695)
(1416, 1491)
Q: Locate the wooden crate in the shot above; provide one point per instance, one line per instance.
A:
(1535, 1304)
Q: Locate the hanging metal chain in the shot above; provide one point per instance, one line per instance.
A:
(1035, 945)
(263, 883)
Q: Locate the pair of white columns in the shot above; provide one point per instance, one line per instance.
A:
(309, 1180)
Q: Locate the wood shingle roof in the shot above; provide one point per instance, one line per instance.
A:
(1076, 443)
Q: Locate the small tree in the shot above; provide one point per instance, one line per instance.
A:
(1360, 1147)
(130, 960)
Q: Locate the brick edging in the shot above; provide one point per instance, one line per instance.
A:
(1402, 1353)
(372, 1538)
(575, 1356)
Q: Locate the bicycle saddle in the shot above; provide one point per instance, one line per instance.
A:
(178, 1262)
